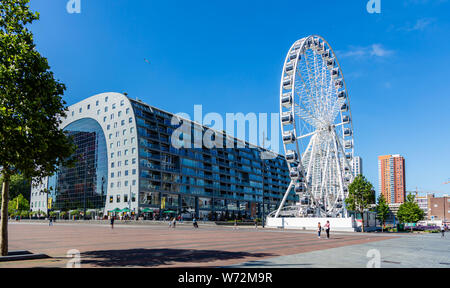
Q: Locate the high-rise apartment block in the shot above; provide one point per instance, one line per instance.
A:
(391, 175)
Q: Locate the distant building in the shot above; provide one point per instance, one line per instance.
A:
(440, 208)
(391, 175)
(424, 204)
(357, 166)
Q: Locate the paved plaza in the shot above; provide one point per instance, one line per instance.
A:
(215, 246)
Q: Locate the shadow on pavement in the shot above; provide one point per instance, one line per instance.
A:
(158, 257)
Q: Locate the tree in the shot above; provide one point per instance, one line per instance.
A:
(410, 212)
(361, 195)
(18, 204)
(31, 107)
(382, 211)
(18, 185)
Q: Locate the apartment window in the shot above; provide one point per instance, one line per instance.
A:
(104, 119)
(112, 164)
(130, 120)
(134, 172)
(73, 113)
(118, 198)
(124, 132)
(89, 107)
(112, 175)
(122, 103)
(106, 109)
(98, 112)
(131, 130)
(119, 114)
(119, 174)
(125, 198)
(119, 184)
(81, 110)
(126, 152)
(117, 134)
(125, 143)
(126, 162)
(115, 124)
(127, 111)
(110, 136)
(126, 172)
(132, 140)
(133, 161)
(134, 182)
(111, 145)
(96, 103)
(133, 151)
(119, 154)
(106, 99)
(118, 143)
(112, 185)
(119, 164)
(126, 183)
(122, 122)
(114, 106)
(112, 116)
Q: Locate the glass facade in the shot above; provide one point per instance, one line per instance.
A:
(202, 182)
(83, 186)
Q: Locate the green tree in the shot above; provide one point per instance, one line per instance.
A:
(382, 211)
(18, 185)
(410, 212)
(18, 204)
(360, 197)
(31, 106)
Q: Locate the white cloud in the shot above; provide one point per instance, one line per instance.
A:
(419, 25)
(374, 50)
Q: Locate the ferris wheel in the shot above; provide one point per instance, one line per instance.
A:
(317, 130)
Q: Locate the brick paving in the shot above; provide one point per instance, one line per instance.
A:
(159, 246)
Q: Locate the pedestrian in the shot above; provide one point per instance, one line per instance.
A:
(256, 224)
(170, 223)
(194, 222)
(50, 221)
(327, 229)
(174, 222)
(319, 230)
(443, 231)
(235, 224)
(112, 222)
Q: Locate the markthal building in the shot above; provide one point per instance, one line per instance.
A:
(126, 161)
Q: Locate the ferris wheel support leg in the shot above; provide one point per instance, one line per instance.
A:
(284, 199)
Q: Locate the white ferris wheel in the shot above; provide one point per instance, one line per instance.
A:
(317, 130)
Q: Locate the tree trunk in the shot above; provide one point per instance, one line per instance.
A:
(4, 220)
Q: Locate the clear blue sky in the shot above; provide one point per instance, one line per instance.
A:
(228, 56)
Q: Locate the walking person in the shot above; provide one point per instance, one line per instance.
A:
(174, 222)
(50, 221)
(112, 222)
(443, 231)
(235, 224)
(327, 229)
(319, 230)
(194, 222)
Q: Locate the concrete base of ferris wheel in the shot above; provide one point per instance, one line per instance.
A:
(311, 223)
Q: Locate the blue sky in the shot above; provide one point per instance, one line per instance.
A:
(228, 56)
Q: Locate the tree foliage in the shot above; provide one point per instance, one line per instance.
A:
(382, 210)
(18, 204)
(31, 106)
(360, 197)
(410, 212)
(18, 185)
